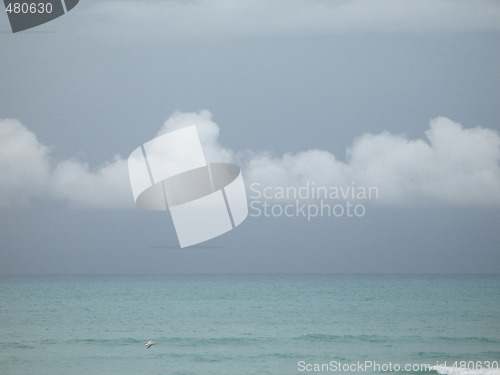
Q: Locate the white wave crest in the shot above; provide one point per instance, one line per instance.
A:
(447, 370)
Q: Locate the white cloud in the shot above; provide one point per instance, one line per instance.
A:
(208, 131)
(104, 187)
(181, 20)
(453, 165)
(27, 172)
(24, 164)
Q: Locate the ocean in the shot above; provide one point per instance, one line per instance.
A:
(250, 324)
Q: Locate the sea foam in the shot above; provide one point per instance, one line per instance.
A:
(447, 370)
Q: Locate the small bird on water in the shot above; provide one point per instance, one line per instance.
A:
(149, 344)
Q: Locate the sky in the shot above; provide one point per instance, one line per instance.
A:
(400, 96)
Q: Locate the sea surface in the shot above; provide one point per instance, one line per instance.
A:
(251, 324)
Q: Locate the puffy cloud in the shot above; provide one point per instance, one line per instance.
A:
(318, 166)
(24, 164)
(180, 20)
(27, 172)
(453, 164)
(208, 131)
(104, 187)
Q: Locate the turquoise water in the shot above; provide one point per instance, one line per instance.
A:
(243, 324)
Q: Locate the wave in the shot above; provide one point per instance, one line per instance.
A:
(122, 341)
(487, 340)
(446, 370)
(341, 338)
(16, 345)
(125, 341)
(207, 341)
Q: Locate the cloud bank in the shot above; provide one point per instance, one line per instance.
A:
(28, 172)
(452, 164)
(24, 164)
(209, 19)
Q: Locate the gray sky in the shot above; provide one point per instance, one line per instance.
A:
(402, 95)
